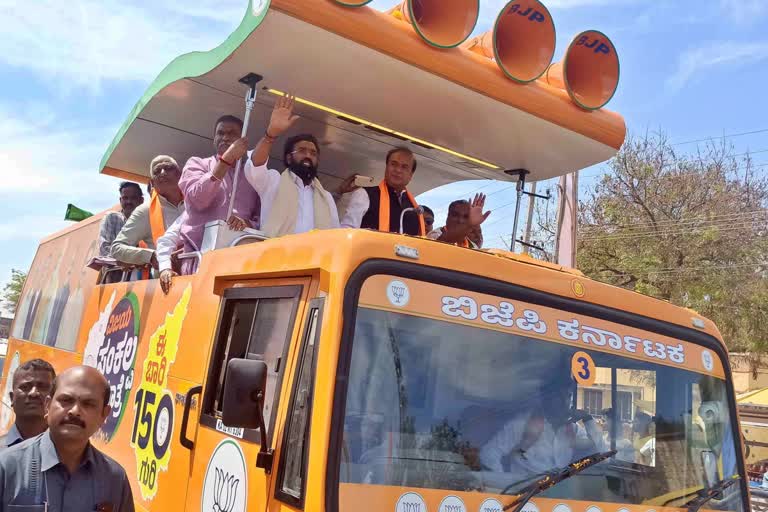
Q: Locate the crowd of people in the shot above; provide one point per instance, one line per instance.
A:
(183, 200)
(47, 462)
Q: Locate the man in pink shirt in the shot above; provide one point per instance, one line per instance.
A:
(207, 185)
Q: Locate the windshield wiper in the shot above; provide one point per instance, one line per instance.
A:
(708, 493)
(554, 477)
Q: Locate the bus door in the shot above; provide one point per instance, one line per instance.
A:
(257, 321)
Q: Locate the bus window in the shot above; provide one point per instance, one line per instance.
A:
(622, 404)
(443, 404)
(256, 324)
(293, 466)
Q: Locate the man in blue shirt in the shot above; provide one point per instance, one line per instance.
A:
(59, 470)
(32, 384)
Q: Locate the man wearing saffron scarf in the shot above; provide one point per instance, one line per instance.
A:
(380, 207)
(149, 221)
(294, 201)
(463, 218)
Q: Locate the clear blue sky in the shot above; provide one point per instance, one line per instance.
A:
(72, 70)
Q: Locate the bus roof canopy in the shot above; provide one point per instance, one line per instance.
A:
(366, 83)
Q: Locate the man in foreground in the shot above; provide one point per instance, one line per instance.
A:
(59, 470)
(32, 383)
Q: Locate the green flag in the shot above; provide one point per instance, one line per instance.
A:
(76, 214)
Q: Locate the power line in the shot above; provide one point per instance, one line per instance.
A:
(681, 222)
(674, 232)
(721, 137)
(506, 205)
(670, 224)
(663, 167)
(471, 193)
(680, 270)
(593, 175)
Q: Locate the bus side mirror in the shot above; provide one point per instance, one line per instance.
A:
(246, 383)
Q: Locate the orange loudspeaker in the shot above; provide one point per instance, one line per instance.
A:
(441, 23)
(522, 41)
(589, 71)
(353, 3)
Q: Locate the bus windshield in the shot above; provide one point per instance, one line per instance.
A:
(469, 398)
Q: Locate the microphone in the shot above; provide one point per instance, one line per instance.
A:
(418, 210)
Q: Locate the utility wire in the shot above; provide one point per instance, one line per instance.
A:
(682, 225)
(721, 137)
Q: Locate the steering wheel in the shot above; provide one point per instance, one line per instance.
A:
(577, 415)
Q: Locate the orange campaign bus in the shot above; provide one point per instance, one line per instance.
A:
(347, 370)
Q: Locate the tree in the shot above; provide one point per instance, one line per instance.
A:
(689, 229)
(12, 290)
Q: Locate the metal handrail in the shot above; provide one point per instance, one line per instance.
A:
(114, 268)
(248, 236)
(191, 255)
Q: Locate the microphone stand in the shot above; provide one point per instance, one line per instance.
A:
(250, 101)
(419, 211)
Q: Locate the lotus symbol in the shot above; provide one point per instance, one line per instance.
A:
(398, 292)
(224, 491)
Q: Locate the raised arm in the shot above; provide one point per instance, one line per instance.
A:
(458, 233)
(282, 119)
(202, 189)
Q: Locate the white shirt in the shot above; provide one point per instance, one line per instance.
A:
(266, 182)
(355, 204)
(167, 243)
(625, 450)
(550, 450)
(649, 450)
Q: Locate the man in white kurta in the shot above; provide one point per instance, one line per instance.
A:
(294, 201)
(536, 444)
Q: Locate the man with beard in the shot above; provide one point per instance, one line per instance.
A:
(32, 384)
(207, 185)
(59, 470)
(294, 201)
(135, 245)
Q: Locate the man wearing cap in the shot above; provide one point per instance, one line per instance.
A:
(136, 242)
